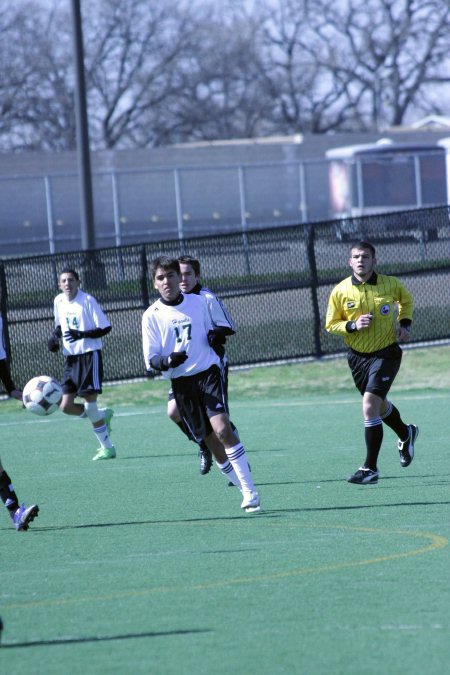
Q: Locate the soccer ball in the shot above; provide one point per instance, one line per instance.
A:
(42, 395)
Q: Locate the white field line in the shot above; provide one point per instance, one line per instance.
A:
(297, 403)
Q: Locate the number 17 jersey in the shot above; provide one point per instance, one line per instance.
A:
(177, 328)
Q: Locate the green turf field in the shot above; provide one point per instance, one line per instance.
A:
(141, 565)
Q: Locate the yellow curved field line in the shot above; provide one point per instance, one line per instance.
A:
(433, 541)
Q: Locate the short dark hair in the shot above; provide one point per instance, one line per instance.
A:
(364, 245)
(165, 262)
(193, 262)
(69, 270)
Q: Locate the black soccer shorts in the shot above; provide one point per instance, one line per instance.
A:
(83, 374)
(200, 397)
(375, 372)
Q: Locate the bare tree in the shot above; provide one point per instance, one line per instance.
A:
(222, 89)
(354, 64)
(179, 70)
(137, 53)
(37, 89)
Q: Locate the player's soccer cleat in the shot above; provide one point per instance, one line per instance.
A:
(251, 502)
(109, 412)
(406, 448)
(364, 476)
(23, 516)
(105, 453)
(205, 461)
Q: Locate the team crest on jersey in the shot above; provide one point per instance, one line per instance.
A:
(384, 311)
(351, 304)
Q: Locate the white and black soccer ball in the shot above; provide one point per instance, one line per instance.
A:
(42, 395)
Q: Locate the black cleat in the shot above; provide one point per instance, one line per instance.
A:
(205, 461)
(23, 516)
(364, 476)
(406, 448)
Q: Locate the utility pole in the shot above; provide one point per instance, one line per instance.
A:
(83, 151)
(93, 270)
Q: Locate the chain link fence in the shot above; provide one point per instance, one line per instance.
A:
(275, 282)
(41, 213)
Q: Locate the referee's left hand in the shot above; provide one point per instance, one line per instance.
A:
(404, 334)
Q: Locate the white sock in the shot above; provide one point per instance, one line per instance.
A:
(238, 460)
(103, 436)
(95, 415)
(229, 473)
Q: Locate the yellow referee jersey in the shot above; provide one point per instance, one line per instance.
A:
(383, 296)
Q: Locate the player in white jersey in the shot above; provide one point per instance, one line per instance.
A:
(21, 515)
(175, 332)
(223, 326)
(81, 323)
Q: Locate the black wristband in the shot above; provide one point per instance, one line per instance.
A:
(351, 327)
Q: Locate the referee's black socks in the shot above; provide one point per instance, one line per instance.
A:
(394, 421)
(373, 432)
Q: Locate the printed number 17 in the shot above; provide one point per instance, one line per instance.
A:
(187, 327)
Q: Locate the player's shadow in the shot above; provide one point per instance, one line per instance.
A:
(105, 638)
(352, 507)
(148, 456)
(443, 479)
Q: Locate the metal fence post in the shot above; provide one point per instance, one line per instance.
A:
(116, 209)
(50, 222)
(243, 208)
(310, 240)
(179, 208)
(4, 310)
(144, 279)
(302, 185)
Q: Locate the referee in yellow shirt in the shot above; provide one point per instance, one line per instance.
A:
(373, 312)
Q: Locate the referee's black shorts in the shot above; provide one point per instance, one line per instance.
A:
(200, 397)
(375, 372)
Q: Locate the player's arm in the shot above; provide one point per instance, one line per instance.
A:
(222, 323)
(163, 363)
(101, 325)
(152, 348)
(72, 334)
(220, 316)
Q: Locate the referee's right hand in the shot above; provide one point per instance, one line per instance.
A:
(364, 321)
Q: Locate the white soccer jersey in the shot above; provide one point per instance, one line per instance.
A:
(177, 328)
(217, 310)
(81, 313)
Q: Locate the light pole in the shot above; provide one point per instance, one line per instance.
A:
(83, 153)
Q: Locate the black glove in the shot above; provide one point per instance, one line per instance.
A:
(216, 337)
(53, 340)
(53, 344)
(175, 359)
(72, 335)
(150, 373)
